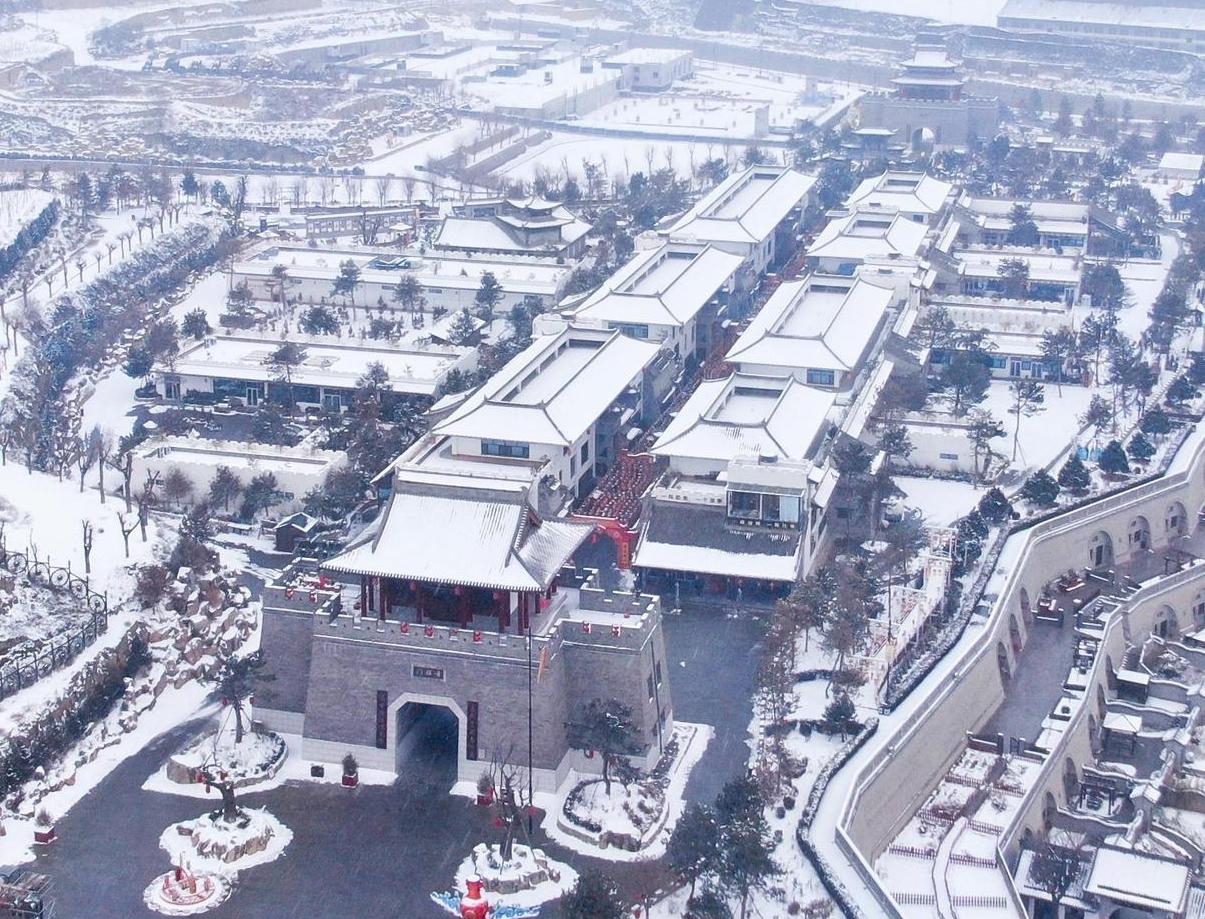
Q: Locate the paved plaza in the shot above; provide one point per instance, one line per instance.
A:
(378, 852)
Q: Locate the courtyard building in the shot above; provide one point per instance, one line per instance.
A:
(673, 294)
(559, 411)
(755, 213)
(820, 329)
(742, 500)
(446, 281)
(917, 195)
(864, 235)
(241, 367)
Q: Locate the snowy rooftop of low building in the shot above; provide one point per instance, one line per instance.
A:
(1137, 879)
(541, 84)
(746, 207)
(1067, 217)
(444, 529)
(1125, 15)
(985, 263)
(910, 192)
(821, 321)
(667, 285)
(491, 235)
(326, 362)
(1182, 162)
(430, 270)
(865, 233)
(745, 414)
(237, 454)
(554, 390)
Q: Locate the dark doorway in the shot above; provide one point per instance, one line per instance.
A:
(427, 745)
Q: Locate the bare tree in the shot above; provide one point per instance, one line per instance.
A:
(126, 531)
(103, 445)
(146, 500)
(382, 185)
(85, 457)
(86, 526)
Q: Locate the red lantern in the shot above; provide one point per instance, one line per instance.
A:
(289, 591)
(429, 631)
(405, 628)
(477, 638)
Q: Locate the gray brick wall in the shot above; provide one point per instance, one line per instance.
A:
(286, 641)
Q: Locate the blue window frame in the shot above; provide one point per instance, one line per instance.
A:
(822, 377)
(506, 448)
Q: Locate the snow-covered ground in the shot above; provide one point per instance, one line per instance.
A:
(941, 501)
(1043, 436)
(979, 13)
(173, 707)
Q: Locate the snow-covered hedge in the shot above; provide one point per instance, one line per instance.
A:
(28, 237)
(89, 322)
(831, 884)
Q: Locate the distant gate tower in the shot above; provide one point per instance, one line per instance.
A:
(929, 105)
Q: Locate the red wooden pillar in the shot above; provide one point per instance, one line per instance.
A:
(524, 613)
(386, 598)
(364, 601)
(466, 614)
(502, 608)
(418, 599)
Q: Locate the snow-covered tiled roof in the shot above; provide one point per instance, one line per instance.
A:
(440, 529)
(910, 192)
(489, 234)
(694, 538)
(820, 321)
(667, 285)
(554, 390)
(745, 207)
(865, 233)
(745, 414)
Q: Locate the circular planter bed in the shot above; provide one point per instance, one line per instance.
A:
(257, 759)
(179, 893)
(212, 844)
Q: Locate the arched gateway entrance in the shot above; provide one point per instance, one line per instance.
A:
(426, 739)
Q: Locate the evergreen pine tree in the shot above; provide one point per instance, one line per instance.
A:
(1140, 448)
(594, 896)
(1155, 422)
(1040, 489)
(1074, 476)
(1113, 459)
(994, 507)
